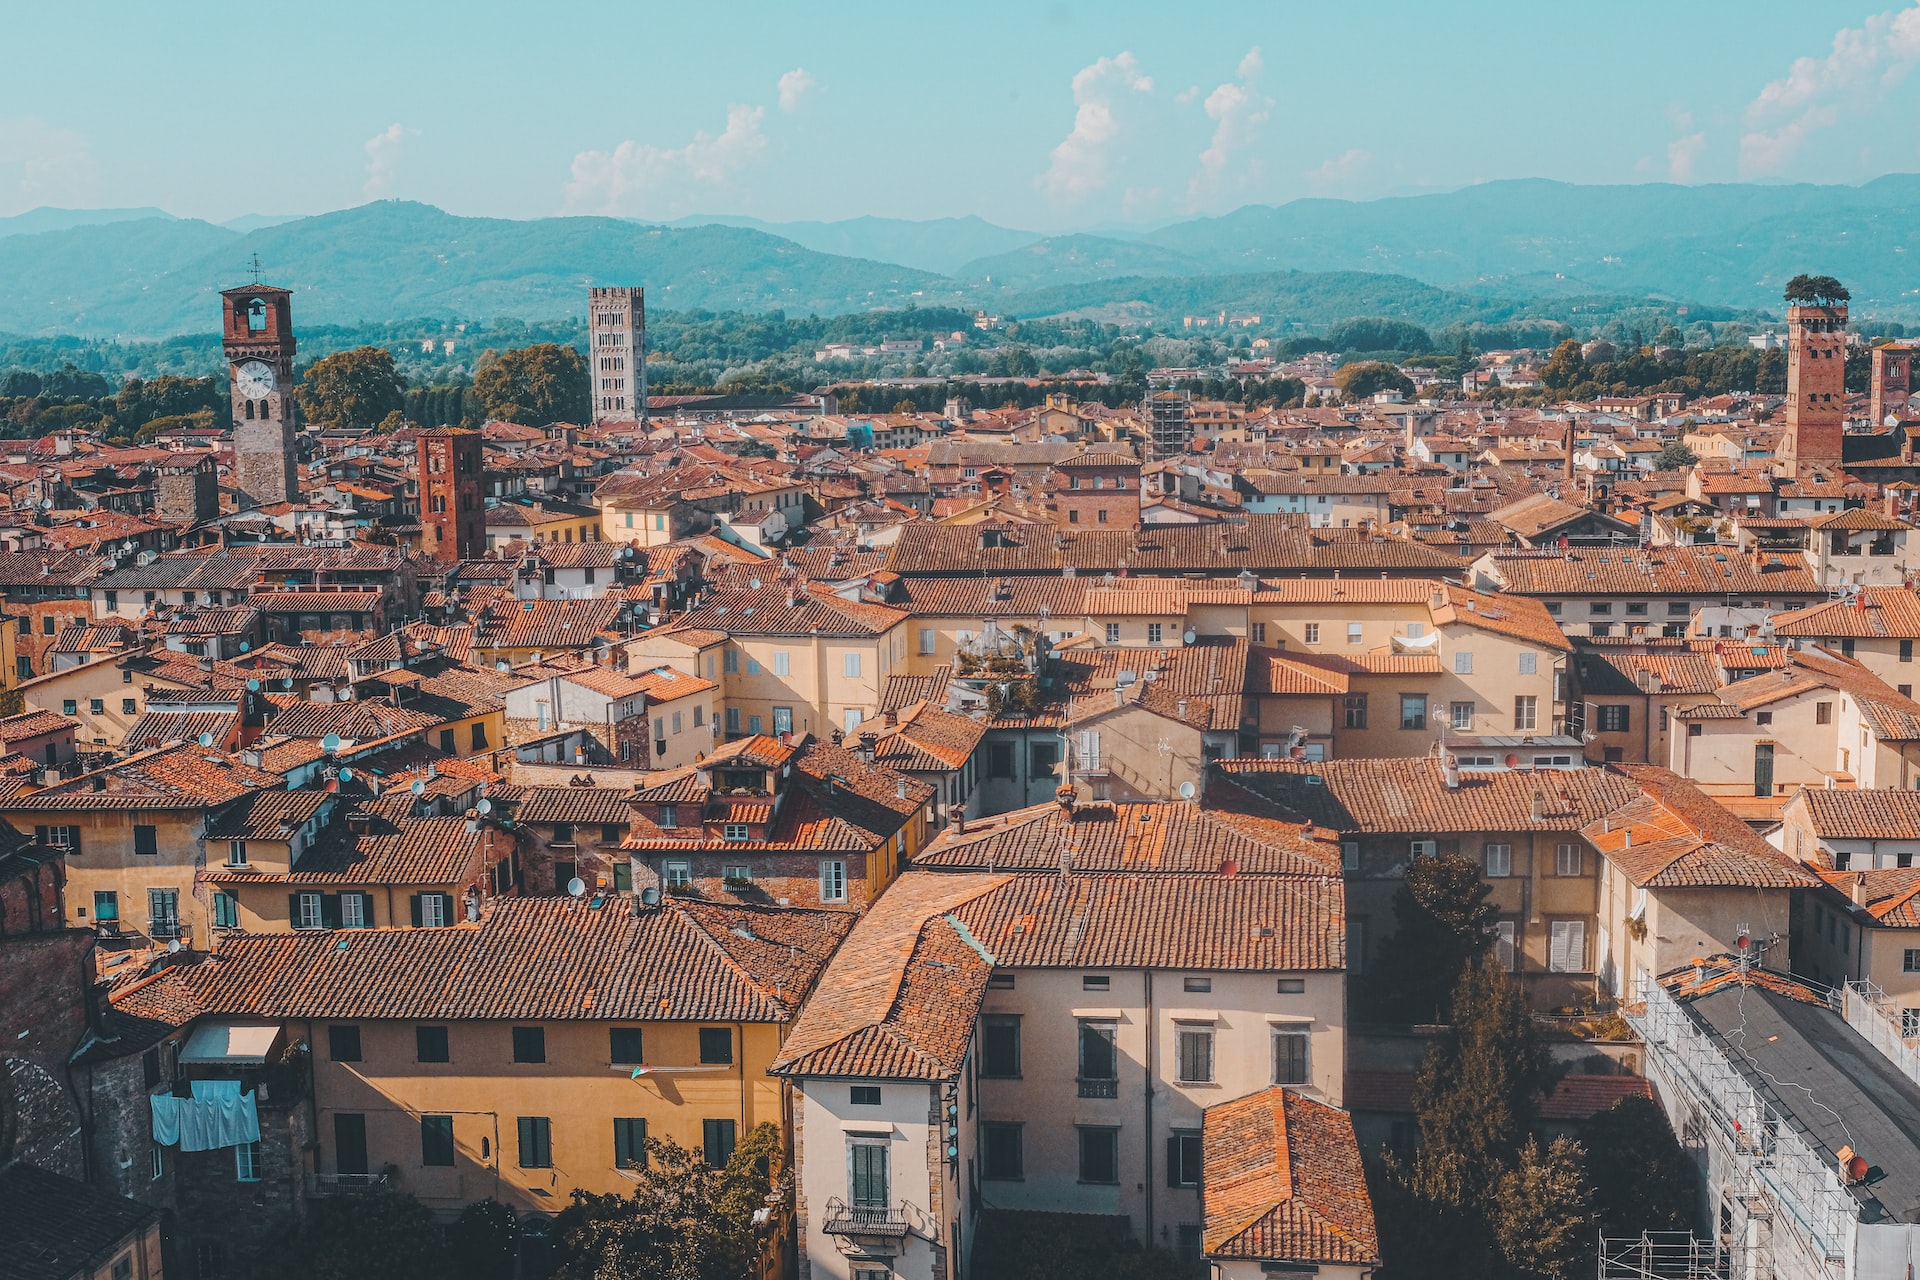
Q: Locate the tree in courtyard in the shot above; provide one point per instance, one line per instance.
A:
(1674, 456)
(1443, 926)
(543, 383)
(352, 388)
(1814, 291)
(1365, 378)
(1541, 1214)
(386, 1236)
(685, 1220)
(1642, 1178)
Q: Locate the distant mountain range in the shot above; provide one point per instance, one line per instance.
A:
(1498, 249)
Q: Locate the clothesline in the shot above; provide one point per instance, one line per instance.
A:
(217, 1115)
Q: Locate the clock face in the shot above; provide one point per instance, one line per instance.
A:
(254, 380)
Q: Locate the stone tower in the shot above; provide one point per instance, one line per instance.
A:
(617, 358)
(257, 333)
(452, 511)
(1816, 387)
(1892, 383)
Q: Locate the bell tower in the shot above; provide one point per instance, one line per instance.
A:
(257, 335)
(1816, 387)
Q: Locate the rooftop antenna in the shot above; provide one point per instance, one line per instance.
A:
(253, 266)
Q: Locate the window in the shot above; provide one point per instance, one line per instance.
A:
(833, 880)
(1529, 664)
(163, 913)
(1615, 719)
(1183, 1158)
(1910, 960)
(70, 707)
(730, 662)
(536, 1142)
(1113, 633)
(1424, 848)
(106, 905)
(1153, 633)
(716, 1045)
(1000, 1047)
(737, 831)
(1355, 705)
(309, 910)
(1201, 985)
(436, 1141)
(629, 1142)
(668, 819)
(1909, 1023)
(343, 1043)
(97, 705)
(1195, 1058)
(624, 1045)
(753, 666)
(1313, 633)
(1001, 1158)
(226, 910)
(129, 706)
(1462, 663)
(1259, 633)
(1823, 713)
(236, 849)
(146, 840)
(1290, 986)
(1290, 1057)
(1413, 711)
(246, 1162)
(717, 1141)
(1096, 982)
(1354, 632)
(864, 1095)
(1526, 713)
(736, 873)
(1567, 860)
(1503, 949)
(529, 1044)
(1499, 860)
(1763, 717)
(1600, 608)
(1460, 716)
(432, 910)
(1099, 1063)
(1349, 855)
(679, 874)
(430, 1044)
(926, 647)
(1567, 946)
(853, 666)
(479, 738)
(1099, 1154)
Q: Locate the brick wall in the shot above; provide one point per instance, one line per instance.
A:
(43, 1015)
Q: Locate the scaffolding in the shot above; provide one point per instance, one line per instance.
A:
(1794, 1218)
(1665, 1255)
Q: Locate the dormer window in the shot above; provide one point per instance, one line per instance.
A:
(256, 316)
(738, 831)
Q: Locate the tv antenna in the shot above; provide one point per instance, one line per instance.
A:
(253, 265)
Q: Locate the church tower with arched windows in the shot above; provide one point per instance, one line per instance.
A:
(257, 334)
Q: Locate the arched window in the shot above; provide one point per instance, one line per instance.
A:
(256, 315)
(249, 409)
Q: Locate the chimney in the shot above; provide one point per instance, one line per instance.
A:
(1450, 769)
(1539, 805)
(1858, 890)
(1063, 796)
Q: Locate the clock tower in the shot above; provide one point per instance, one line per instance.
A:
(257, 334)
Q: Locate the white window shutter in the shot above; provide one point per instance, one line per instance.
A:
(1503, 944)
(1557, 946)
(1576, 946)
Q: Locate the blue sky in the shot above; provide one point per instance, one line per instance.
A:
(1046, 115)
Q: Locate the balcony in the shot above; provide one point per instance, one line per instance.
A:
(843, 1219)
(1099, 1088)
(348, 1184)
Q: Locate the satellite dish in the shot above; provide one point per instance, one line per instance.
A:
(1190, 636)
(485, 805)
(206, 739)
(346, 775)
(174, 945)
(253, 686)
(330, 743)
(244, 646)
(46, 504)
(344, 693)
(649, 896)
(1186, 791)
(286, 682)
(576, 886)
(418, 788)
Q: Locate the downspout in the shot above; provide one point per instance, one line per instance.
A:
(1153, 1033)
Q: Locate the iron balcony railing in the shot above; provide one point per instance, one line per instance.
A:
(1099, 1088)
(843, 1219)
(349, 1184)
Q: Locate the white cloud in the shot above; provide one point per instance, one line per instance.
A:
(383, 158)
(1237, 110)
(795, 85)
(1187, 95)
(1337, 173)
(640, 178)
(1816, 93)
(1683, 156)
(1082, 163)
(41, 163)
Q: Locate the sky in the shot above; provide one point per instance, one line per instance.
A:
(1043, 116)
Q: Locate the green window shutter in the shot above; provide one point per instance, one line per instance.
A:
(414, 904)
(330, 910)
(293, 910)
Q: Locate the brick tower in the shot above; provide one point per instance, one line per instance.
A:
(1892, 383)
(617, 359)
(1816, 387)
(452, 515)
(257, 334)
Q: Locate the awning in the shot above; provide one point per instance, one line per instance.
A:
(231, 1043)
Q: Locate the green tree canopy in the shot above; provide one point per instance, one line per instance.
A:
(1364, 378)
(352, 389)
(1642, 1179)
(1378, 333)
(685, 1220)
(1443, 926)
(1817, 291)
(1674, 456)
(1565, 368)
(543, 383)
(387, 1236)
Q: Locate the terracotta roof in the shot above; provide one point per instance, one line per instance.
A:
(1262, 543)
(32, 724)
(1871, 613)
(1652, 571)
(185, 777)
(266, 815)
(1169, 837)
(355, 722)
(157, 726)
(900, 997)
(57, 1228)
(548, 624)
(1282, 1181)
(535, 959)
(315, 601)
(1876, 814)
(1202, 685)
(787, 609)
(1674, 836)
(904, 690)
(580, 806)
(1411, 795)
(397, 851)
